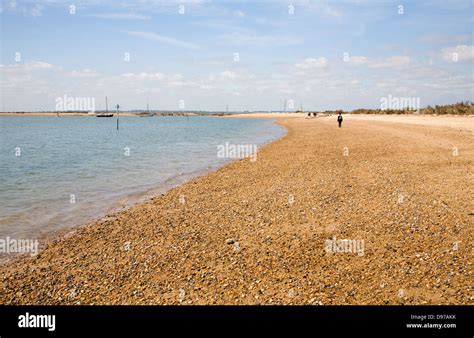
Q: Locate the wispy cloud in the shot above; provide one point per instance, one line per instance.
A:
(252, 39)
(392, 62)
(461, 53)
(86, 73)
(120, 16)
(25, 9)
(162, 39)
(436, 39)
(310, 63)
(26, 67)
(297, 56)
(358, 60)
(144, 76)
(320, 8)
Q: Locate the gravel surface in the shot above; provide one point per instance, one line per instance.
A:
(269, 231)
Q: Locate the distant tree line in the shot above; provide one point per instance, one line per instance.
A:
(461, 108)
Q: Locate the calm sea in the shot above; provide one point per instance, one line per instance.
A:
(62, 171)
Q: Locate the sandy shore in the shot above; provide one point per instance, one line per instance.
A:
(463, 122)
(257, 232)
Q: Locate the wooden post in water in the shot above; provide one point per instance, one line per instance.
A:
(117, 106)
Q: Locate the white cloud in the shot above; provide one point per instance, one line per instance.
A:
(120, 16)
(25, 67)
(24, 8)
(358, 60)
(212, 61)
(392, 62)
(181, 83)
(319, 8)
(443, 38)
(229, 74)
(226, 75)
(169, 80)
(162, 39)
(252, 39)
(239, 14)
(83, 73)
(144, 76)
(460, 53)
(36, 10)
(35, 65)
(311, 63)
(316, 82)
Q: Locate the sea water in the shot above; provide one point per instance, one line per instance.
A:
(57, 172)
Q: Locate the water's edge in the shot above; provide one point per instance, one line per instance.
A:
(133, 200)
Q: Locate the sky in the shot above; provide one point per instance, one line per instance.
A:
(240, 54)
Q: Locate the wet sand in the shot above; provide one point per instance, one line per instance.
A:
(257, 232)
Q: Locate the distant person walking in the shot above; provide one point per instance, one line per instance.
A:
(339, 120)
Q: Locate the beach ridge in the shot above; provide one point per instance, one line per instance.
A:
(257, 232)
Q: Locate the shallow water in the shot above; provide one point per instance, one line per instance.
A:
(70, 170)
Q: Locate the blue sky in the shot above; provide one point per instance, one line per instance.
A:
(326, 55)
